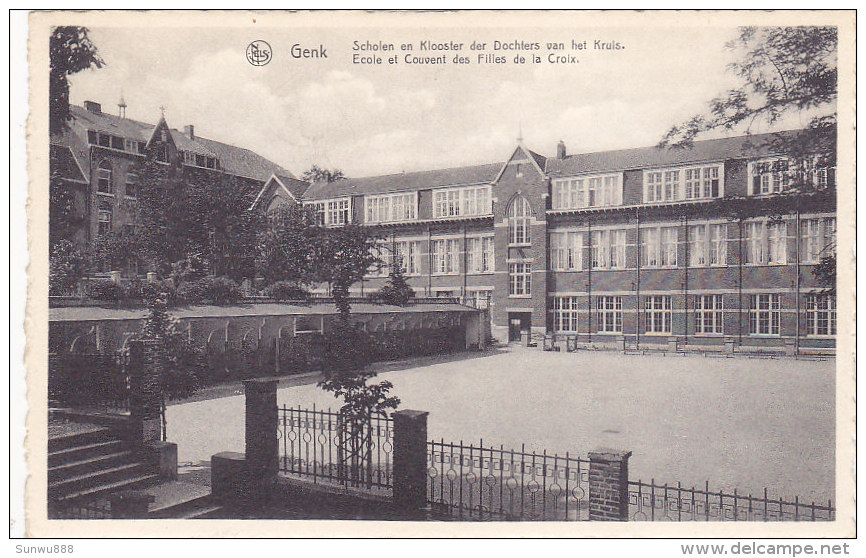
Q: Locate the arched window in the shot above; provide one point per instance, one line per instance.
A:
(519, 214)
(103, 177)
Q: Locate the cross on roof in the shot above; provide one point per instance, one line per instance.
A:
(162, 110)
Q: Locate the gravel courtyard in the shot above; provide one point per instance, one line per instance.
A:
(738, 423)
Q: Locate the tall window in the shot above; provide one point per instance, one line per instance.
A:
(407, 254)
(657, 310)
(659, 246)
(519, 279)
(104, 222)
(608, 249)
(463, 201)
(766, 243)
(821, 315)
(565, 314)
(609, 314)
(764, 314)
(829, 236)
(519, 217)
(698, 247)
(810, 240)
(753, 242)
(445, 255)
(479, 254)
(719, 244)
(777, 242)
(769, 177)
(131, 186)
(566, 251)
(709, 314)
(104, 178)
(683, 183)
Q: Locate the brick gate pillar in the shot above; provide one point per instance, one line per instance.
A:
(608, 485)
(146, 366)
(410, 459)
(262, 449)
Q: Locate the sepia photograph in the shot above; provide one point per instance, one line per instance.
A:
(432, 270)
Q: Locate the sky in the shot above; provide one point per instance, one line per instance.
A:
(381, 119)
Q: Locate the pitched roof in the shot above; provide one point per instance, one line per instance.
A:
(646, 157)
(295, 186)
(404, 182)
(234, 160)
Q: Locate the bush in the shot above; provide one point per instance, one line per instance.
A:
(219, 290)
(67, 266)
(104, 290)
(286, 290)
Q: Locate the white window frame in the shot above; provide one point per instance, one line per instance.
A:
(768, 176)
(584, 191)
(104, 222)
(684, 183)
(445, 256)
(520, 279)
(810, 240)
(463, 201)
(391, 208)
(659, 246)
(131, 178)
(566, 250)
(332, 212)
(658, 314)
(709, 314)
(478, 298)
(479, 254)
(408, 251)
(519, 222)
(608, 314)
(765, 314)
(105, 175)
(566, 314)
(821, 308)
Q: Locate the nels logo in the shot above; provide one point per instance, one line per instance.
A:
(259, 53)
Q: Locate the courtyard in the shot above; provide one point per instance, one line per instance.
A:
(739, 423)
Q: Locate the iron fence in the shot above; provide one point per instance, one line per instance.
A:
(654, 502)
(487, 483)
(324, 445)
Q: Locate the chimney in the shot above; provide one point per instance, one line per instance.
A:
(189, 130)
(560, 150)
(95, 108)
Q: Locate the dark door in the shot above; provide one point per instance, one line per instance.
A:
(517, 323)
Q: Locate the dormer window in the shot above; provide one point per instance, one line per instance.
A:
(587, 191)
(683, 183)
(769, 176)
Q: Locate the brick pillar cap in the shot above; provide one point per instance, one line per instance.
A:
(260, 383)
(410, 413)
(608, 454)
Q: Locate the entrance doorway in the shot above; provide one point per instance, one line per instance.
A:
(518, 322)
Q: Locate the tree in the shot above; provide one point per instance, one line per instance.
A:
(342, 256)
(66, 267)
(319, 174)
(70, 51)
(783, 70)
(114, 250)
(63, 220)
(285, 250)
(396, 291)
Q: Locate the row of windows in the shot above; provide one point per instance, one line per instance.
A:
(772, 176)
(197, 160)
(594, 191)
(391, 207)
(444, 255)
(331, 212)
(764, 314)
(462, 202)
(116, 142)
(764, 242)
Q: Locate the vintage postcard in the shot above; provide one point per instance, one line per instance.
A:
(536, 273)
